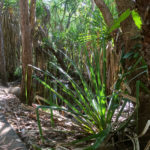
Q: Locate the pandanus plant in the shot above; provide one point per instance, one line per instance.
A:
(89, 104)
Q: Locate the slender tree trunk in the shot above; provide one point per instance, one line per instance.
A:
(32, 15)
(3, 74)
(105, 11)
(26, 84)
(32, 20)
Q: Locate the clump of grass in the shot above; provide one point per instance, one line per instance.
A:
(88, 103)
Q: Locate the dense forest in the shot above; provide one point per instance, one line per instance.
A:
(77, 73)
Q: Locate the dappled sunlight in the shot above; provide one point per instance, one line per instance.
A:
(74, 74)
(4, 129)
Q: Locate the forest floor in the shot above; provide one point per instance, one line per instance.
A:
(8, 138)
(23, 120)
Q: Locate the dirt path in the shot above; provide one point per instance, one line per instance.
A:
(9, 140)
(23, 120)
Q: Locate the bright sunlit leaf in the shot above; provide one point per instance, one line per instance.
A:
(137, 19)
(117, 22)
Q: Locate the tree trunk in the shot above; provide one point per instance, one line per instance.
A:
(26, 84)
(144, 11)
(129, 30)
(144, 110)
(11, 34)
(32, 25)
(32, 14)
(129, 33)
(105, 12)
(3, 74)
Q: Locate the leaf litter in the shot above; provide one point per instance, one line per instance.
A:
(24, 121)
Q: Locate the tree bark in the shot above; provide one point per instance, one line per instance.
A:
(144, 11)
(105, 11)
(32, 14)
(129, 32)
(129, 29)
(143, 7)
(32, 20)
(26, 84)
(3, 73)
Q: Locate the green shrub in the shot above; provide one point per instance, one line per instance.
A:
(18, 72)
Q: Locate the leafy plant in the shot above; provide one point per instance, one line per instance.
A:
(18, 72)
(121, 18)
(125, 15)
(137, 19)
(10, 3)
(88, 103)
